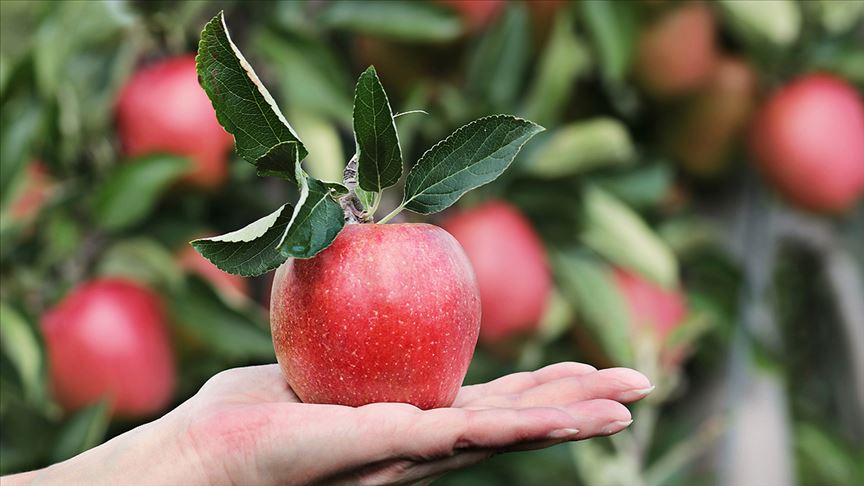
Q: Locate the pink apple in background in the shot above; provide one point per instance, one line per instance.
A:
(232, 287)
(511, 267)
(476, 14)
(30, 196)
(162, 108)
(808, 139)
(387, 313)
(109, 339)
(675, 54)
(655, 309)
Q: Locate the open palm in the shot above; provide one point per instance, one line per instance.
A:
(246, 426)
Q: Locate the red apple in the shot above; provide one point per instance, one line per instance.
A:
(808, 139)
(476, 14)
(653, 309)
(702, 134)
(108, 339)
(387, 313)
(32, 192)
(676, 53)
(511, 267)
(233, 287)
(163, 109)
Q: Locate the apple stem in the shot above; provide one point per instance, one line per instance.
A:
(351, 204)
(392, 214)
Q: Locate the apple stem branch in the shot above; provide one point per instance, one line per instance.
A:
(351, 204)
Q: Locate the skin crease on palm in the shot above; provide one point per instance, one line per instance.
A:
(246, 426)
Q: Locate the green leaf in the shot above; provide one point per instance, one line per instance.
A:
(777, 22)
(473, 155)
(84, 430)
(317, 219)
(582, 146)
(497, 67)
(380, 157)
(243, 105)
(133, 188)
(590, 286)
(200, 313)
(613, 230)
(564, 60)
(141, 259)
(252, 250)
(20, 344)
(644, 186)
(396, 19)
(612, 26)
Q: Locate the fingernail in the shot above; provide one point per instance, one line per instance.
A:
(563, 434)
(633, 395)
(616, 426)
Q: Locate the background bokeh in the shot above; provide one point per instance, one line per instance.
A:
(645, 175)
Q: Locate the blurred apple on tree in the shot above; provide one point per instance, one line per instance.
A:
(511, 266)
(703, 132)
(675, 54)
(32, 192)
(653, 311)
(162, 109)
(108, 340)
(476, 14)
(808, 139)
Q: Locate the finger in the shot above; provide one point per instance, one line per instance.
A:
(518, 382)
(599, 417)
(619, 384)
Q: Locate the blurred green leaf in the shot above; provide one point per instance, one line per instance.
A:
(252, 250)
(20, 344)
(564, 60)
(582, 146)
(244, 107)
(838, 17)
(326, 160)
(309, 76)
(777, 22)
(612, 26)
(20, 126)
(824, 459)
(497, 66)
(133, 189)
(645, 186)
(379, 163)
(473, 155)
(84, 430)
(141, 259)
(395, 19)
(613, 230)
(199, 312)
(589, 285)
(317, 219)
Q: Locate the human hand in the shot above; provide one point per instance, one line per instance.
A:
(246, 426)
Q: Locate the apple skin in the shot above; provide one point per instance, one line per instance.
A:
(233, 287)
(808, 139)
(702, 135)
(477, 14)
(108, 338)
(511, 266)
(162, 108)
(387, 313)
(654, 309)
(676, 53)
